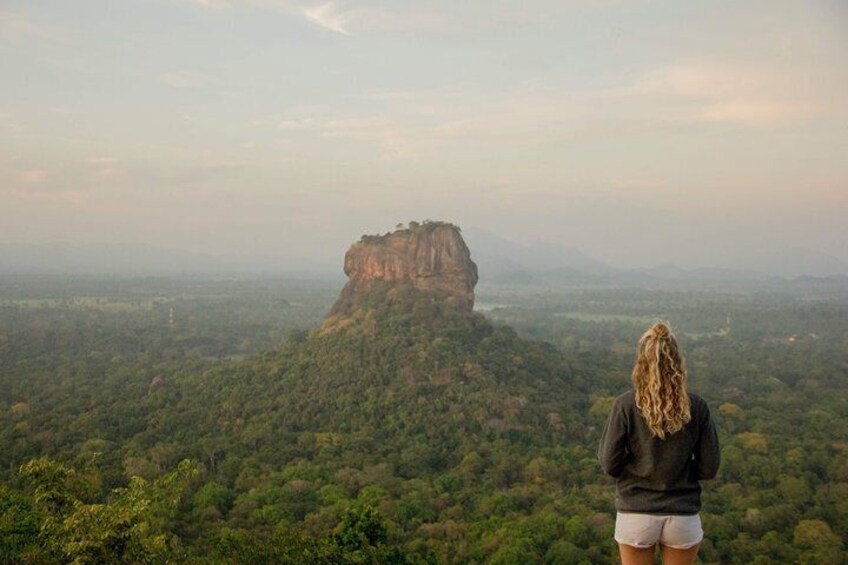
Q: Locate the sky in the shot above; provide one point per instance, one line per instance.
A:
(641, 133)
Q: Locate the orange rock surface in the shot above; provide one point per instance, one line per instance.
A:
(430, 257)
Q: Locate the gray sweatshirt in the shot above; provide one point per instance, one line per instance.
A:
(652, 475)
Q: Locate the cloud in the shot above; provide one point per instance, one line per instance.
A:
(397, 17)
(420, 123)
(726, 93)
(209, 3)
(395, 139)
(33, 176)
(101, 161)
(755, 113)
(345, 19)
(15, 26)
(328, 17)
(299, 123)
(692, 96)
(185, 79)
(105, 167)
(694, 79)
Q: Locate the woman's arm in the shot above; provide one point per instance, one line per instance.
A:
(612, 451)
(707, 454)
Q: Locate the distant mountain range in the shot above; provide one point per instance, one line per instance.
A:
(503, 261)
(500, 261)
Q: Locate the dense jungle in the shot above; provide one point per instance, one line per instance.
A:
(206, 420)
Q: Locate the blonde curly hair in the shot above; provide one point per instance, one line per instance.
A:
(659, 377)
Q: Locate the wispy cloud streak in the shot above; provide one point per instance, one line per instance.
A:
(712, 92)
(328, 17)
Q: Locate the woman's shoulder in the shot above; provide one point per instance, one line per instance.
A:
(696, 400)
(627, 397)
(698, 407)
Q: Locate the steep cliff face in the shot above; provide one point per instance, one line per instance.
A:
(430, 257)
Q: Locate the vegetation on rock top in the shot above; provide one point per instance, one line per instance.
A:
(412, 228)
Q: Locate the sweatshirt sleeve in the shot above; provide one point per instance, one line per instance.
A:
(612, 451)
(707, 455)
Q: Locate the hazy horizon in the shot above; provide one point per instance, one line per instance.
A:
(499, 260)
(700, 135)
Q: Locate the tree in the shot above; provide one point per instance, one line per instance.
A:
(19, 527)
(821, 545)
(130, 527)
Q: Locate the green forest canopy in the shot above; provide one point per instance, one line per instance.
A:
(417, 435)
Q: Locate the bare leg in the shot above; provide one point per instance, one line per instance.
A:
(671, 556)
(636, 555)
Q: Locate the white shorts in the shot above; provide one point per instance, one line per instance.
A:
(645, 530)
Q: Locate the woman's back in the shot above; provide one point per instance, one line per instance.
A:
(653, 475)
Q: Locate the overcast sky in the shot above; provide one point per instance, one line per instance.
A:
(638, 132)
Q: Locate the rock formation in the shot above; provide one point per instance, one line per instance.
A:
(430, 257)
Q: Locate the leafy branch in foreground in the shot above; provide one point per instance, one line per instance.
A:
(130, 527)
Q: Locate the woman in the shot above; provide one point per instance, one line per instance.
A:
(658, 443)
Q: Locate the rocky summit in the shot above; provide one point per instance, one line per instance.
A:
(430, 257)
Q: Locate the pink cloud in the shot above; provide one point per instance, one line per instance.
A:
(34, 176)
(101, 161)
(755, 113)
